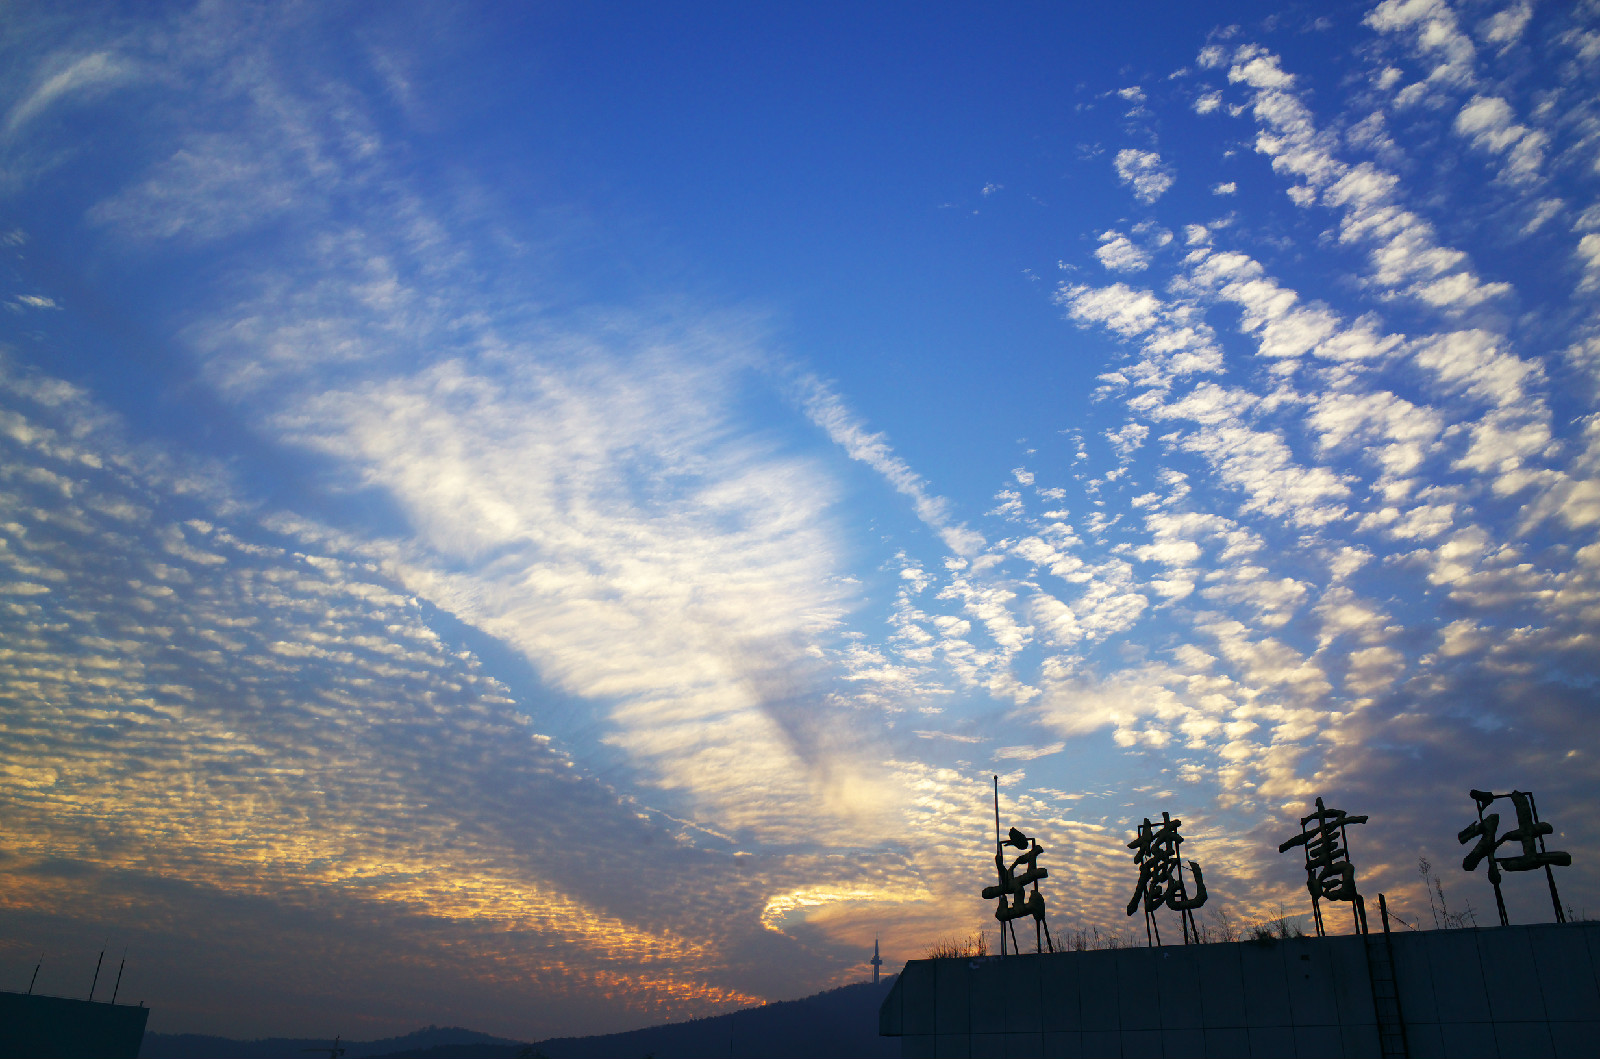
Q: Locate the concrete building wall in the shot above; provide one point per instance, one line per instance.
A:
(1510, 991)
(52, 1027)
(1502, 991)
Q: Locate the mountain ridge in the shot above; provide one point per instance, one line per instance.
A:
(839, 1022)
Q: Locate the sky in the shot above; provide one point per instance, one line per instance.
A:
(551, 517)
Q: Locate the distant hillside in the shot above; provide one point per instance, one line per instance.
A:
(838, 1024)
(200, 1046)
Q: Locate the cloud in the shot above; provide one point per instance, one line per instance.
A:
(80, 75)
(325, 736)
(1028, 753)
(827, 411)
(1405, 254)
(1489, 123)
(1588, 255)
(213, 187)
(1176, 343)
(1505, 27)
(1126, 440)
(1144, 172)
(1436, 37)
(1118, 254)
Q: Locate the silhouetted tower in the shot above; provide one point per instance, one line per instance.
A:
(877, 961)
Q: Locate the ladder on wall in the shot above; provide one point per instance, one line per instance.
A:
(1385, 994)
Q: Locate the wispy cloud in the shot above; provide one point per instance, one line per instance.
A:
(62, 78)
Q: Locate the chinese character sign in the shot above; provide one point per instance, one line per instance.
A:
(1528, 836)
(1012, 890)
(1156, 852)
(1329, 873)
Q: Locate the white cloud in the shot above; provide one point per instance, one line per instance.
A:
(826, 410)
(1394, 433)
(34, 301)
(1119, 307)
(77, 75)
(1144, 172)
(1285, 328)
(1489, 123)
(1127, 440)
(1118, 254)
(1262, 467)
(1588, 255)
(663, 604)
(1436, 37)
(1505, 27)
(1028, 753)
(1473, 362)
(1405, 252)
(1176, 343)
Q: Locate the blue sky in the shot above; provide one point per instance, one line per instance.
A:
(548, 518)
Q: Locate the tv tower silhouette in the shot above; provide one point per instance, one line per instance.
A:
(877, 961)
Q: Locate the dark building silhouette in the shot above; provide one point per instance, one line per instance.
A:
(53, 1027)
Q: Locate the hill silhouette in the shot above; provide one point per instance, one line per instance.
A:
(840, 1023)
(202, 1046)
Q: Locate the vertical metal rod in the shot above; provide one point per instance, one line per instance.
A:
(1555, 899)
(1357, 911)
(1183, 894)
(120, 966)
(35, 977)
(1383, 909)
(998, 861)
(1549, 876)
(1500, 901)
(97, 964)
(997, 814)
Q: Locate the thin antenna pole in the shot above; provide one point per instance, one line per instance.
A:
(120, 966)
(97, 964)
(35, 977)
(997, 855)
(997, 814)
